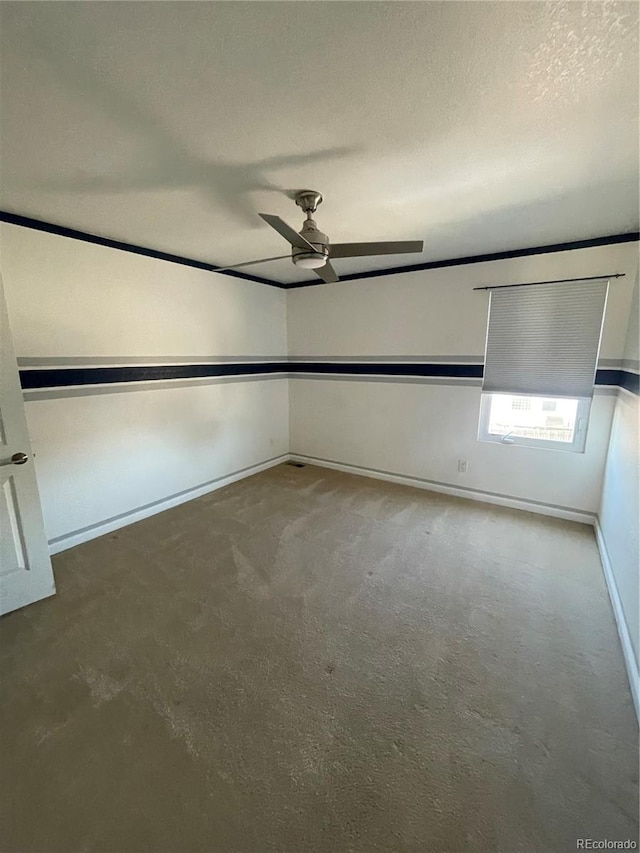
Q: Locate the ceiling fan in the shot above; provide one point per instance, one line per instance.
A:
(311, 249)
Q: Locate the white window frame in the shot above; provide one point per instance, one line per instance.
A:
(579, 435)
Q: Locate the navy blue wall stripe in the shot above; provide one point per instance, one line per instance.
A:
(629, 381)
(78, 376)
(608, 377)
(83, 236)
(64, 376)
(621, 378)
(468, 371)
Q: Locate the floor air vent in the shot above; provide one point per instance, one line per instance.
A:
(296, 464)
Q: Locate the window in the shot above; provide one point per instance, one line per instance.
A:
(558, 424)
(523, 403)
(540, 363)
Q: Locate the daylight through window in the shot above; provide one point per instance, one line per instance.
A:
(535, 421)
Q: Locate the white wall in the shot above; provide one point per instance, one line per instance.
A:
(620, 509)
(436, 312)
(421, 429)
(107, 454)
(71, 298)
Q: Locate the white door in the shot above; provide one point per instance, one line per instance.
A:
(25, 568)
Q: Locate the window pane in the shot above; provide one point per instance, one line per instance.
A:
(540, 418)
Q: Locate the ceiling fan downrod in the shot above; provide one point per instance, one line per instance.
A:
(309, 200)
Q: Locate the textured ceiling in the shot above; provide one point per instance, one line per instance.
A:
(478, 127)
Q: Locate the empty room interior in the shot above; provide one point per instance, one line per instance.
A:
(319, 427)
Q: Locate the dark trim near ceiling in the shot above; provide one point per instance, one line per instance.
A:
(83, 236)
(631, 237)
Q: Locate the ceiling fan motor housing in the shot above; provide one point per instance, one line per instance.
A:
(306, 258)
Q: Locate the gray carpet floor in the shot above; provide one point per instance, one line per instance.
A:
(312, 661)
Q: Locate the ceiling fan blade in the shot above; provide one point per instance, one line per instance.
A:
(250, 263)
(327, 273)
(355, 250)
(287, 231)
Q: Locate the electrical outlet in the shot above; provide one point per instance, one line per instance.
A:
(463, 466)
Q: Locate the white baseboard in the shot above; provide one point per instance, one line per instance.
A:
(623, 631)
(77, 537)
(456, 491)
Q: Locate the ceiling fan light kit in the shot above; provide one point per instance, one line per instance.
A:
(309, 200)
(311, 249)
(309, 260)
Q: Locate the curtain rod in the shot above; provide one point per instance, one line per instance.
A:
(554, 281)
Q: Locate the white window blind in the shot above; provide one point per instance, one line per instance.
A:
(544, 338)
